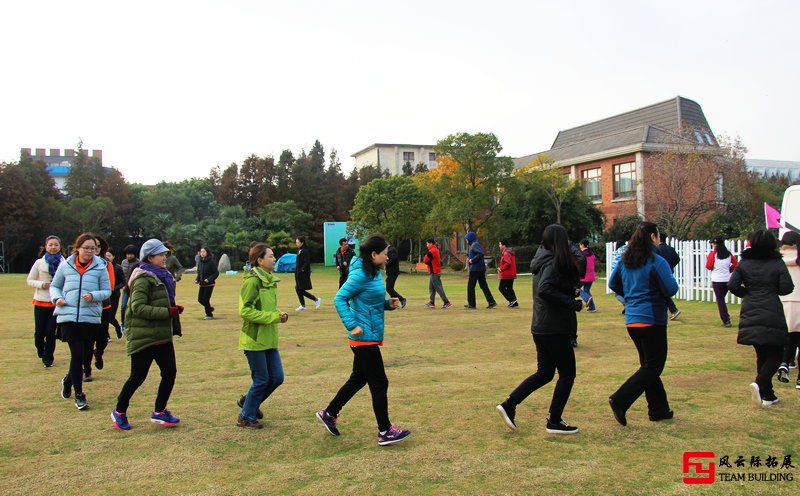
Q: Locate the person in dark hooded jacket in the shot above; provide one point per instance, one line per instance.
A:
(557, 268)
(477, 272)
(759, 279)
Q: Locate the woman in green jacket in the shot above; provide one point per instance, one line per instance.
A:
(151, 320)
(258, 307)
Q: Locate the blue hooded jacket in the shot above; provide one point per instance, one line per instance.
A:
(69, 284)
(645, 289)
(475, 253)
(361, 301)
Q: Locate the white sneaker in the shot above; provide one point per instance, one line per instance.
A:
(755, 394)
(317, 303)
(769, 402)
(301, 308)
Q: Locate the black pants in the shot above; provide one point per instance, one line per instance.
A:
(553, 352)
(720, 291)
(44, 333)
(790, 350)
(367, 369)
(96, 346)
(671, 306)
(478, 276)
(204, 298)
(79, 336)
(390, 280)
(112, 313)
(164, 356)
(302, 294)
(768, 359)
(343, 277)
(651, 343)
(507, 290)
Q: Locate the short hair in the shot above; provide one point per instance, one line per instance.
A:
(430, 240)
(257, 251)
(504, 242)
(342, 240)
(301, 239)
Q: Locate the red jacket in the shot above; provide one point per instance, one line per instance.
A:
(433, 260)
(507, 268)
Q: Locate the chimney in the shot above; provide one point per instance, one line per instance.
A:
(69, 152)
(40, 152)
(98, 154)
(25, 152)
(85, 152)
(55, 152)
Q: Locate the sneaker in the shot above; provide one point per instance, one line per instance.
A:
(98, 360)
(492, 304)
(66, 389)
(80, 401)
(317, 303)
(447, 305)
(797, 385)
(329, 421)
(792, 364)
(589, 302)
(619, 413)
(164, 418)
(87, 378)
(593, 310)
(403, 302)
(770, 402)
(755, 394)
(561, 427)
(208, 317)
(662, 416)
(240, 404)
(432, 305)
(513, 304)
(393, 435)
(470, 307)
(120, 420)
(211, 310)
(783, 373)
(119, 333)
(301, 308)
(47, 364)
(727, 324)
(674, 315)
(241, 422)
(507, 413)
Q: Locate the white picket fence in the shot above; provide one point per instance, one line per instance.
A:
(694, 280)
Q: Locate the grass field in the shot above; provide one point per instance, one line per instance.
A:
(447, 371)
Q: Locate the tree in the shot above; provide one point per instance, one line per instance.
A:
(286, 216)
(18, 204)
(224, 184)
(283, 176)
(281, 242)
(85, 175)
(421, 167)
(392, 206)
(557, 185)
(408, 170)
(90, 214)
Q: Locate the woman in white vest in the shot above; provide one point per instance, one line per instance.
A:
(721, 263)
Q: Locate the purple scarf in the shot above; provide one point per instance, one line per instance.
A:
(164, 276)
(53, 260)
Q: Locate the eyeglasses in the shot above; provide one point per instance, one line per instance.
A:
(88, 248)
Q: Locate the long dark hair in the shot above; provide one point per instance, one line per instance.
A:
(790, 238)
(763, 245)
(640, 247)
(555, 239)
(722, 250)
(374, 244)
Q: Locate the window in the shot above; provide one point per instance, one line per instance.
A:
(431, 157)
(408, 157)
(625, 180)
(592, 184)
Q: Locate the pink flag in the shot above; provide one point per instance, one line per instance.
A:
(773, 217)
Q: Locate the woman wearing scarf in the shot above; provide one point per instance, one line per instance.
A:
(40, 276)
(151, 321)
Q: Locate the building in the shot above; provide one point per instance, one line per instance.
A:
(57, 164)
(392, 157)
(611, 157)
(769, 168)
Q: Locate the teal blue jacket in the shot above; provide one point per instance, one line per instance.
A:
(361, 301)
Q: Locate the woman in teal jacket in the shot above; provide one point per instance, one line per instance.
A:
(258, 307)
(360, 303)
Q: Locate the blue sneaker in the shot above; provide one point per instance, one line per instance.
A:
(393, 435)
(120, 420)
(329, 421)
(164, 418)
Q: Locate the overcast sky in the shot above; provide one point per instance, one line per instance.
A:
(169, 89)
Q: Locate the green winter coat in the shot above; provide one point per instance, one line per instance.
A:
(258, 307)
(147, 321)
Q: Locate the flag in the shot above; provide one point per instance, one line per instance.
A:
(773, 217)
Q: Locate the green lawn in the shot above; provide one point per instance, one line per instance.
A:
(447, 371)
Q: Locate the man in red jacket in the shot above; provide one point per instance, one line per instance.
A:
(434, 262)
(507, 272)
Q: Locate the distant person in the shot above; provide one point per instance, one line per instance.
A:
(116, 293)
(302, 275)
(621, 244)
(392, 273)
(477, 272)
(791, 305)
(99, 341)
(760, 280)
(342, 257)
(721, 263)
(433, 260)
(78, 289)
(507, 272)
(173, 264)
(44, 322)
(207, 273)
(129, 263)
(360, 304)
(669, 254)
(590, 277)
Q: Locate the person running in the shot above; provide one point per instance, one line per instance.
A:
(302, 275)
(433, 260)
(258, 339)
(99, 341)
(477, 273)
(129, 263)
(669, 254)
(392, 273)
(507, 272)
(557, 269)
(44, 322)
(644, 279)
(791, 304)
(360, 304)
(207, 273)
(621, 244)
(78, 289)
(119, 283)
(760, 279)
(721, 263)
(343, 256)
(153, 318)
(590, 277)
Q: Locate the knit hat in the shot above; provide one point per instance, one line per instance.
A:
(151, 247)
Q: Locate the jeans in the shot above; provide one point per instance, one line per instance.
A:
(204, 298)
(266, 371)
(478, 277)
(553, 352)
(651, 343)
(506, 289)
(302, 294)
(720, 290)
(768, 359)
(586, 294)
(367, 369)
(390, 280)
(435, 286)
(164, 356)
(44, 334)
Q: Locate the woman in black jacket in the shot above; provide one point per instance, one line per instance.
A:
(207, 273)
(557, 269)
(302, 275)
(760, 278)
(392, 272)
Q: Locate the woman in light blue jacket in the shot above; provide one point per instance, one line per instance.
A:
(360, 303)
(78, 289)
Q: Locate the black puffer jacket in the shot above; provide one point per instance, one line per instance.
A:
(207, 271)
(759, 279)
(554, 303)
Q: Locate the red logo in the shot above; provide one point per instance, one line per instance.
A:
(701, 475)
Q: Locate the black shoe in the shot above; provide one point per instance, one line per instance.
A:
(619, 413)
(574, 342)
(513, 304)
(66, 389)
(507, 413)
(783, 372)
(212, 310)
(403, 302)
(80, 401)
(662, 416)
(470, 308)
(98, 360)
(259, 413)
(47, 363)
(560, 427)
(492, 304)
